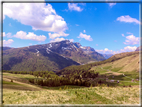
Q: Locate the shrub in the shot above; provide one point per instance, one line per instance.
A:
(11, 80)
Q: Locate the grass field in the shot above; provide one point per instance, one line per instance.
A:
(94, 95)
(18, 92)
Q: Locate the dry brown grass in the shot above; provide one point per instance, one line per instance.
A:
(120, 95)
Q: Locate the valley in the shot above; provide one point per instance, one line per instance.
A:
(18, 92)
(92, 83)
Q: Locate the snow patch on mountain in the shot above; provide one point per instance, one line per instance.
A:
(50, 45)
(64, 48)
(48, 50)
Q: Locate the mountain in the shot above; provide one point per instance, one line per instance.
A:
(31, 59)
(52, 56)
(74, 51)
(5, 48)
(127, 62)
(107, 55)
(139, 48)
(92, 53)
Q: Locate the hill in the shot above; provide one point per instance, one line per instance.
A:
(123, 62)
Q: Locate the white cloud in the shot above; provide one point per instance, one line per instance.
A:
(105, 51)
(128, 19)
(84, 31)
(125, 49)
(38, 15)
(129, 49)
(8, 34)
(8, 42)
(71, 40)
(54, 35)
(30, 36)
(87, 37)
(73, 6)
(4, 34)
(111, 4)
(131, 40)
(57, 40)
(122, 35)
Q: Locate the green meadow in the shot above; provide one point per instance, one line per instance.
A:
(16, 90)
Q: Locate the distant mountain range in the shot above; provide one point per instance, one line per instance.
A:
(107, 55)
(52, 56)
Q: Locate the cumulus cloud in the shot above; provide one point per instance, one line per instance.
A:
(71, 40)
(74, 6)
(57, 40)
(4, 34)
(125, 49)
(123, 35)
(129, 49)
(84, 31)
(54, 35)
(8, 34)
(30, 36)
(38, 15)
(87, 37)
(105, 51)
(8, 42)
(111, 4)
(131, 40)
(128, 19)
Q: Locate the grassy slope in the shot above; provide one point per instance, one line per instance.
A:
(128, 66)
(24, 93)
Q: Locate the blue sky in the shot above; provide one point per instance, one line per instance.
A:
(106, 27)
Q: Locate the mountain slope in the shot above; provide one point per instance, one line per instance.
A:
(75, 51)
(52, 56)
(92, 53)
(129, 61)
(30, 59)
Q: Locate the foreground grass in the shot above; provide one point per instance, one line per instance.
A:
(66, 95)
(18, 92)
